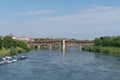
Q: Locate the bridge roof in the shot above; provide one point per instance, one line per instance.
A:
(52, 41)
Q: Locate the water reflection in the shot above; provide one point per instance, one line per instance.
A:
(63, 56)
(65, 65)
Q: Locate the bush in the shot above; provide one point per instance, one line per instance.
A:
(32, 47)
(20, 50)
(13, 51)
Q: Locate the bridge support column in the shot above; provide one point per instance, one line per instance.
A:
(80, 48)
(63, 45)
(38, 46)
(50, 46)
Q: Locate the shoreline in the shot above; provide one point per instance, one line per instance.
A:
(8, 52)
(113, 51)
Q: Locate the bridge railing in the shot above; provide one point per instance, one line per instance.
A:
(52, 41)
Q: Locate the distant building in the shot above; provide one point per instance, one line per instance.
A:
(13, 37)
(23, 38)
(20, 38)
(31, 39)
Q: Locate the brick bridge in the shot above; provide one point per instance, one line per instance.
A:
(64, 44)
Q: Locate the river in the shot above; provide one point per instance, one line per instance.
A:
(56, 65)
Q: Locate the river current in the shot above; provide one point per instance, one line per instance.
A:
(56, 65)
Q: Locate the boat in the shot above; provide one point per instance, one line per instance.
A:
(2, 62)
(22, 57)
(11, 59)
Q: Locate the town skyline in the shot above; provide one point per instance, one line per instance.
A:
(78, 19)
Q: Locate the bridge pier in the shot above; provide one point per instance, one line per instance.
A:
(80, 48)
(63, 45)
(50, 46)
(38, 47)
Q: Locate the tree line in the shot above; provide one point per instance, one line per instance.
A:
(7, 42)
(113, 41)
(109, 45)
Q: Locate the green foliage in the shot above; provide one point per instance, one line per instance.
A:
(4, 52)
(32, 47)
(8, 42)
(14, 46)
(22, 44)
(116, 41)
(105, 50)
(98, 42)
(88, 48)
(1, 42)
(13, 51)
(20, 50)
(108, 41)
(107, 45)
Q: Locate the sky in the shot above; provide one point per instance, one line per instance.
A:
(76, 19)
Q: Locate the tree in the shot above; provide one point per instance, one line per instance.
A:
(22, 44)
(1, 41)
(116, 41)
(13, 51)
(8, 42)
(107, 41)
(98, 42)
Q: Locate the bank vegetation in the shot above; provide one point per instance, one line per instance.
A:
(106, 45)
(9, 46)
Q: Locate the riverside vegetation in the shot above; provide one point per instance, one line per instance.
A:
(9, 46)
(107, 45)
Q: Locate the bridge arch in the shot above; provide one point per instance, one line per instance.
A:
(64, 44)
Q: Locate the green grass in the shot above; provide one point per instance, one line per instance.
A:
(114, 51)
(4, 52)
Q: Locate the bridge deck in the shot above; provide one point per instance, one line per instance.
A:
(68, 41)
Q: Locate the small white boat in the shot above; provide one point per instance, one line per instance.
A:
(2, 62)
(9, 59)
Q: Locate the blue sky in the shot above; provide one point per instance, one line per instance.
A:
(79, 19)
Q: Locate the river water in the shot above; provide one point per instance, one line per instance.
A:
(56, 65)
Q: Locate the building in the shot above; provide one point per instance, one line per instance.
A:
(20, 38)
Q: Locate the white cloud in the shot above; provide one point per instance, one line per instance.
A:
(96, 8)
(38, 12)
(91, 15)
(94, 20)
(90, 22)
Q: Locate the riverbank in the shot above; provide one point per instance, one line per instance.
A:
(4, 52)
(12, 51)
(55, 65)
(114, 51)
(10, 46)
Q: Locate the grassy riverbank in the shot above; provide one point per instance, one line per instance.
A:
(4, 52)
(9, 46)
(8, 52)
(109, 45)
(114, 51)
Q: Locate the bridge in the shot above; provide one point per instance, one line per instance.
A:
(64, 44)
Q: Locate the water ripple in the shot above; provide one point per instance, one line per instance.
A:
(54, 65)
